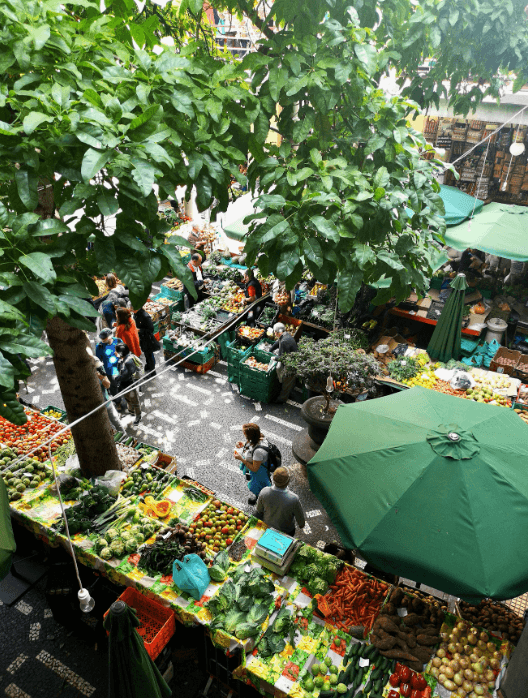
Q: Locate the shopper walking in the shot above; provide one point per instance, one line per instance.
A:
(278, 507)
(105, 352)
(148, 342)
(254, 460)
(115, 293)
(284, 344)
(128, 374)
(110, 407)
(126, 330)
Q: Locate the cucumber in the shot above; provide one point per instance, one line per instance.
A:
(368, 687)
(350, 673)
(342, 676)
(355, 648)
(376, 673)
(358, 680)
(377, 686)
(370, 652)
(326, 694)
(350, 692)
(118, 435)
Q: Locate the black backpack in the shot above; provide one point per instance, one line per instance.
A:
(274, 457)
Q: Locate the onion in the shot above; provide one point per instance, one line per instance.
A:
(489, 676)
(449, 672)
(473, 657)
(467, 685)
(474, 631)
(442, 679)
(495, 663)
(437, 661)
(472, 639)
(455, 665)
(484, 636)
(468, 674)
(462, 625)
(490, 646)
(482, 645)
(440, 652)
(464, 663)
(459, 647)
(444, 637)
(460, 692)
(446, 661)
(497, 655)
(451, 648)
(455, 633)
(457, 656)
(468, 649)
(458, 678)
(479, 689)
(477, 652)
(484, 661)
(463, 640)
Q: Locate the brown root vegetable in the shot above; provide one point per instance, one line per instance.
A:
(428, 639)
(404, 646)
(398, 654)
(386, 643)
(417, 605)
(415, 666)
(422, 653)
(396, 596)
(390, 609)
(405, 601)
(387, 624)
(429, 630)
(413, 619)
(411, 640)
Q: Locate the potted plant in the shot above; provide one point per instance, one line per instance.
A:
(329, 366)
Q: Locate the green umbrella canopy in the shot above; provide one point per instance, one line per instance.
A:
(445, 341)
(500, 229)
(131, 672)
(458, 205)
(450, 514)
(7, 540)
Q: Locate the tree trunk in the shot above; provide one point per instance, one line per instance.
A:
(81, 392)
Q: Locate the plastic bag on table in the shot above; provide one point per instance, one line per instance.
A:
(461, 381)
(191, 575)
(112, 480)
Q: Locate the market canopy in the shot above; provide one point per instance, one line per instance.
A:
(500, 229)
(430, 487)
(458, 205)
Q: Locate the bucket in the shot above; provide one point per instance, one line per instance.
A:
(496, 327)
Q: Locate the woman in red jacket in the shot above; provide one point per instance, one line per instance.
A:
(126, 330)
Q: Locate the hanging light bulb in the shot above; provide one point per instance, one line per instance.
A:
(86, 601)
(517, 149)
(504, 185)
(440, 152)
(329, 384)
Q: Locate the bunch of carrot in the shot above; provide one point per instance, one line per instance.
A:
(355, 599)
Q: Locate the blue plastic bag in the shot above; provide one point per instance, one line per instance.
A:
(191, 575)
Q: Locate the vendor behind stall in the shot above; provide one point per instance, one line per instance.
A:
(195, 267)
(252, 291)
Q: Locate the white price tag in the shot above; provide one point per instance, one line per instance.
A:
(347, 336)
(404, 363)
(364, 662)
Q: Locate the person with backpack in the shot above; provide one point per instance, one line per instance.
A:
(278, 507)
(254, 458)
(129, 367)
(147, 340)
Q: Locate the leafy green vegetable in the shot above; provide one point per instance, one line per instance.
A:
(258, 612)
(218, 571)
(234, 617)
(403, 368)
(245, 630)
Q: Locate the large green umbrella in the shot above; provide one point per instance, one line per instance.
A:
(500, 229)
(445, 342)
(131, 672)
(430, 487)
(458, 205)
(7, 540)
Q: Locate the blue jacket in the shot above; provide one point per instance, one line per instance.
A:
(106, 354)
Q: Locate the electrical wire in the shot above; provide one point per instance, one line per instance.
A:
(142, 381)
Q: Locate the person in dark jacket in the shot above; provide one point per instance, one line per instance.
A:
(128, 373)
(285, 344)
(252, 291)
(195, 267)
(147, 341)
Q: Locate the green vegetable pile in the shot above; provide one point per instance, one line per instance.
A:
(80, 517)
(159, 557)
(218, 570)
(23, 475)
(117, 544)
(274, 639)
(63, 453)
(267, 316)
(153, 480)
(242, 603)
(403, 368)
(314, 569)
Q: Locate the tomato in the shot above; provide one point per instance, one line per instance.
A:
(418, 681)
(405, 674)
(405, 690)
(416, 693)
(393, 694)
(394, 680)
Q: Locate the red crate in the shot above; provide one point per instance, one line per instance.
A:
(199, 368)
(157, 623)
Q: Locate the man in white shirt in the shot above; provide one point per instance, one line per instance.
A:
(195, 267)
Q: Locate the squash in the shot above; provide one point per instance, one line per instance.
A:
(479, 309)
(162, 508)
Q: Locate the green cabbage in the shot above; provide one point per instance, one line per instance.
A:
(258, 612)
(245, 630)
(233, 619)
(311, 571)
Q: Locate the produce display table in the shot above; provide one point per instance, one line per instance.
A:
(398, 312)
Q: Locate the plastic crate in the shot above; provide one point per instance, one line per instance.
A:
(259, 385)
(157, 623)
(234, 352)
(199, 368)
(273, 320)
(163, 298)
(171, 292)
(288, 320)
(223, 339)
(63, 418)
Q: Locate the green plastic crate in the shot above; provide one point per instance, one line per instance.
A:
(171, 306)
(171, 292)
(223, 339)
(234, 350)
(63, 418)
(259, 385)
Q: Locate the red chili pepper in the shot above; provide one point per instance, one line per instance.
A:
(405, 690)
(426, 693)
(405, 673)
(393, 694)
(416, 693)
(394, 680)
(418, 682)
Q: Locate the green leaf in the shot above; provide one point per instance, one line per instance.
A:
(27, 345)
(93, 161)
(7, 372)
(312, 250)
(379, 193)
(272, 200)
(348, 285)
(326, 228)
(364, 254)
(108, 205)
(26, 182)
(79, 305)
(105, 255)
(195, 165)
(40, 264)
(302, 128)
(390, 259)
(33, 121)
(367, 54)
(179, 268)
(143, 175)
(287, 262)
(49, 226)
(11, 409)
(381, 178)
(9, 312)
(40, 295)
(39, 35)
